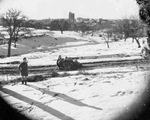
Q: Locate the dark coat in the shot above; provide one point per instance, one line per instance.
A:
(23, 67)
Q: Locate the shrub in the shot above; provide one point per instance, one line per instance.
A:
(35, 78)
(86, 73)
(65, 74)
(54, 74)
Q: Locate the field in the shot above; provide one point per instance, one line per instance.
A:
(99, 93)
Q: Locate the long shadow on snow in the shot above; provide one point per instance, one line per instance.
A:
(48, 109)
(64, 97)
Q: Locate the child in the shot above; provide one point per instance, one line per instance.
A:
(23, 68)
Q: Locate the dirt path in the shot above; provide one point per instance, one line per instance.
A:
(89, 65)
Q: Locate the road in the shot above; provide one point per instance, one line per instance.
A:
(12, 69)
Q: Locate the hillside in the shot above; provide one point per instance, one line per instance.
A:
(46, 49)
(89, 94)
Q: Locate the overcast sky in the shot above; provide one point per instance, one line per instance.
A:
(41, 9)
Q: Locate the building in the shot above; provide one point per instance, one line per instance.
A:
(71, 17)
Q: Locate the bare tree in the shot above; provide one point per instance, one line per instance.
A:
(136, 30)
(107, 34)
(83, 27)
(131, 27)
(61, 25)
(13, 21)
(123, 27)
(96, 26)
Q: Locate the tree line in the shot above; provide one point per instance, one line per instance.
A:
(18, 25)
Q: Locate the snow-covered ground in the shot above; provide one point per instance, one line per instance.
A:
(45, 50)
(97, 94)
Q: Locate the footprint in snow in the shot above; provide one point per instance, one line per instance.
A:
(75, 83)
(56, 94)
(73, 90)
(116, 94)
(27, 90)
(94, 96)
(32, 103)
(123, 93)
(107, 82)
(81, 83)
(120, 93)
(86, 79)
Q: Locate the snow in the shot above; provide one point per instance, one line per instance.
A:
(26, 108)
(45, 50)
(101, 93)
(80, 97)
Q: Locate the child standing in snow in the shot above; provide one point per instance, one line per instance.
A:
(23, 68)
